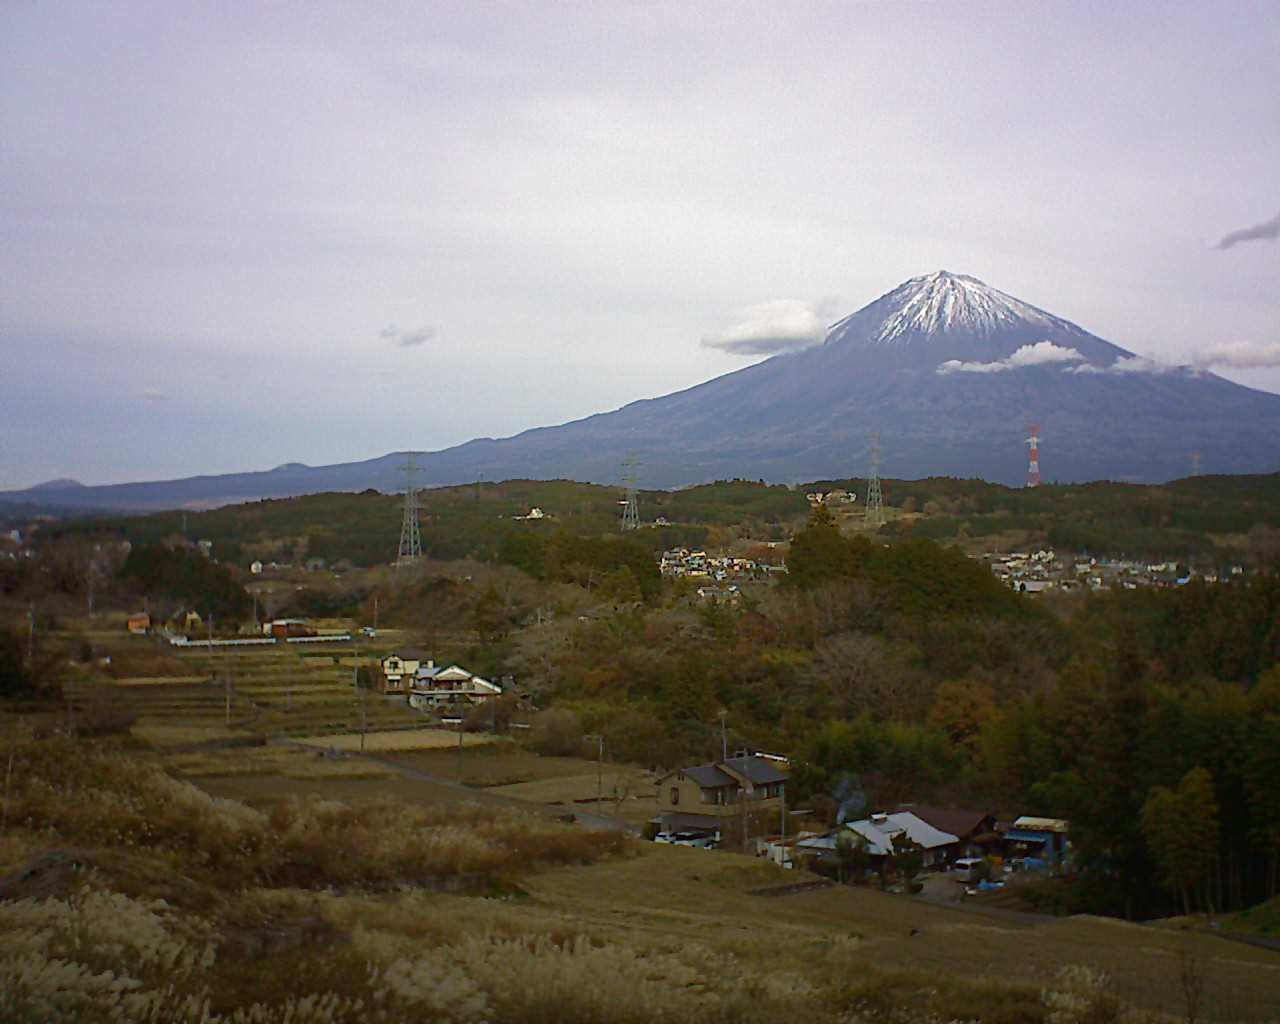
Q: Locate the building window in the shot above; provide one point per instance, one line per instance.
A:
(675, 795)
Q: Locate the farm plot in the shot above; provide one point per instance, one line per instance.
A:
(503, 763)
(299, 694)
(619, 791)
(399, 740)
(288, 762)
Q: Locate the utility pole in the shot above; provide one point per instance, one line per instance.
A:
(782, 831)
(724, 738)
(31, 635)
(598, 740)
(360, 694)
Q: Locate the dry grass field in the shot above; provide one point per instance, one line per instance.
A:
(161, 734)
(504, 763)
(604, 930)
(671, 894)
(628, 793)
(400, 740)
(266, 790)
(284, 762)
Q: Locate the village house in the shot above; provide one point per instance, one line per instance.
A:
(974, 830)
(453, 686)
(138, 624)
(185, 620)
(881, 836)
(705, 796)
(399, 669)
(1037, 839)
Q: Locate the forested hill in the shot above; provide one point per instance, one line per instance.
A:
(1210, 520)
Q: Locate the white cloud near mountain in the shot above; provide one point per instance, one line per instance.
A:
(1042, 353)
(1239, 355)
(1131, 364)
(784, 325)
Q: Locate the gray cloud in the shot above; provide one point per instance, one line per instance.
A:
(784, 325)
(1267, 231)
(1042, 353)
(407, 339)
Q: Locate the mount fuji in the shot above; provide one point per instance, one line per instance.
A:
(948, 370)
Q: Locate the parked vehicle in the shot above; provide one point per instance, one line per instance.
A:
(702, 840)
(967, 869)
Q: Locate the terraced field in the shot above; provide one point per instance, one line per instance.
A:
(291, 693)
(276, 691)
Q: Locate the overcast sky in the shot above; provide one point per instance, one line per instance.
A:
(237, 235)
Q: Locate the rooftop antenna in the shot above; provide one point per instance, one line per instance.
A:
(630, 508)
(410, 537)
(1033, 467)
(874, 514)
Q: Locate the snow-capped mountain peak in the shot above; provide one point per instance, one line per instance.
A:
(938, 303)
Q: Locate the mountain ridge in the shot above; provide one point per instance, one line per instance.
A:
(948, 370)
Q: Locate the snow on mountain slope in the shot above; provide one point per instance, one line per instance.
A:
(939, 303)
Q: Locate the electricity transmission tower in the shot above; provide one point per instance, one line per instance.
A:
(410, 538)
(630, 508)
(1033, 466)
(874, 515)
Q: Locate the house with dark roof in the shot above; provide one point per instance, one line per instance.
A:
(975, 831)
(706, 796)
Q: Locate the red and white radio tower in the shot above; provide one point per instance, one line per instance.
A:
(1033, 469)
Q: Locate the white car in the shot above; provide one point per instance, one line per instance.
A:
(701, 840)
